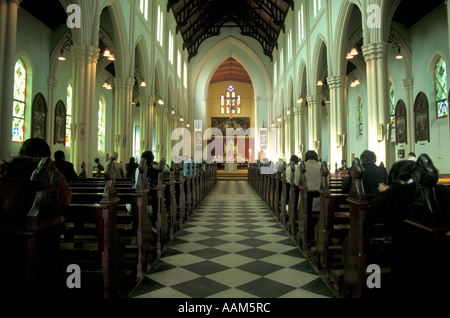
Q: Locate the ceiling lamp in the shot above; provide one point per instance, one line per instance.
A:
(320, 83)
(107, 53)
(160, 102)
(349, 56)
(299, 100)
(61, 57)
(143, 84)
(354, 52)
(399, 55)
(355, 83)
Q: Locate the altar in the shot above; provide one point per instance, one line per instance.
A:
(230, 166)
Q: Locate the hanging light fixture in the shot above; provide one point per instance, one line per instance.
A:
(299, 100)
(143, 84)
(61, 57)
(107, 53)
(354, 52)
(355, 83)
(399, 54)
(319, 83)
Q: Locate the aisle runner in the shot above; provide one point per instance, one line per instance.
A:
(232, 247)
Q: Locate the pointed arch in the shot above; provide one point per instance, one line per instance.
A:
(39, 117)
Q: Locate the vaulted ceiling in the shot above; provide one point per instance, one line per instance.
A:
(231, 70)
(197, 20)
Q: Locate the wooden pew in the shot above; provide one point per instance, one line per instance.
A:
(28, 246)
(293, 204)
(354, 253)
(277, 194)
(283, 214)
(332, 226)
(106, 247)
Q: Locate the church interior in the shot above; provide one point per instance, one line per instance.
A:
(231, 87)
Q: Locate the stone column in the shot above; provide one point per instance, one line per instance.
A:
(298, 133)
(123, 118)
(375, 55)
(145, 103)
(8, 33)
(158, 131)
(84, 112)
(337, 119)
(314, 124)
(51, 83)
(410, 129)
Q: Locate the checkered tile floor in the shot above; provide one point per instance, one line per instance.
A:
(232, 247)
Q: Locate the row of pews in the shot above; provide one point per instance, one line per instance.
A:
(115, 229)
(335, 239)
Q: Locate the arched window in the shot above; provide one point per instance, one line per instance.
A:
(392, 104)
(440, 82)
(230, 101)
(39, 117)
(360, 117)
(100, 125)
(20, 90)
(69, 115)
(60, 123)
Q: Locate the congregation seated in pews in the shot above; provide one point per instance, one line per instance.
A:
(396, 234)
(113, 229)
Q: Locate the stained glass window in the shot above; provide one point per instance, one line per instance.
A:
(392, 104)
(360, 117)
(222, 104)
(440, 81)
(20, 89)
(100, 125)
(231, 101)
(69, 115)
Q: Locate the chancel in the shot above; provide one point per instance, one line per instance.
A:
(246, 118)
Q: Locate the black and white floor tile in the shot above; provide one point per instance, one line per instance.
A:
(232, 247)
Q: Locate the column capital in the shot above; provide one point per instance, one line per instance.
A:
(145, 100)
(16, 2)
(408, 82)
(52, 82)
(375, 50)
(337, 81)
(83, 52)
(124, 83)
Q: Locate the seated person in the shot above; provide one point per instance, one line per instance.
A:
(15, 174)
(412, 272)
(116, 165)
(98, 167)
(293, 161)
(313, 175)
(343, 168)
(152, 173)
(373, 174)
(131, 167)
(65, 167)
